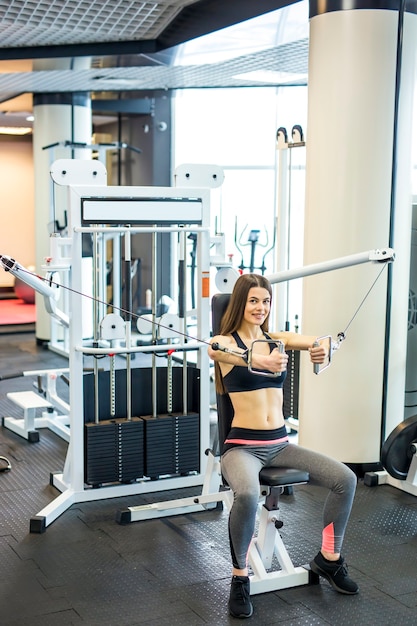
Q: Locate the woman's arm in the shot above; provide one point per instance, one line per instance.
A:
(295, 341)
(223, 349)
(274, 362)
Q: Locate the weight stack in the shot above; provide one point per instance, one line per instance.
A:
(113, 451)
(172, 444)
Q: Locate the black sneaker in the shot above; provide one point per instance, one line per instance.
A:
(239, 601)
(335, 572)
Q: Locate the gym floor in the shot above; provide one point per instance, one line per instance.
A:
(88, 569)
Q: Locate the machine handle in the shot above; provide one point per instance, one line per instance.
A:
(317, 369)
(247, 356)
(280, 346)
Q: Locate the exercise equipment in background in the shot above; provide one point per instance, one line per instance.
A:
(112, 404)
(254, 242)
(398, 458)
(46, 399)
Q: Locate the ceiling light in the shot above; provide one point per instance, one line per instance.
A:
(118, 82)
(271, 76)
(15, 130)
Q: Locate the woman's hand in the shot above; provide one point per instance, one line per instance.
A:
(275, 362)
(319, 354)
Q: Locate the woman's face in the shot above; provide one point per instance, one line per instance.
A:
(258, 306)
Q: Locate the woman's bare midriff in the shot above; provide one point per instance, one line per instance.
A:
(260, 409)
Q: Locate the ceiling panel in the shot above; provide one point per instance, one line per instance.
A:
(38, 28)
(283, 63)
(25, 23)
(121, 46)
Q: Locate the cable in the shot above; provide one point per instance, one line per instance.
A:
(7, 466)
(343, 334)
(51, 282)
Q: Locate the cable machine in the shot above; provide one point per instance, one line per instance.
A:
(58, 223)
(133, 430)
(290, 183)
(290, 160)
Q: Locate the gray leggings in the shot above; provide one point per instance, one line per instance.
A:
(241, 466)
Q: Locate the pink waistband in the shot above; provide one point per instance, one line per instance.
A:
(256, 442)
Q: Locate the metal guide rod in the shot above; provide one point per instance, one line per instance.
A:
(96, 270)
(182, 286)
(169, 380)
(129, 304)
(116, 273)
(154, 326)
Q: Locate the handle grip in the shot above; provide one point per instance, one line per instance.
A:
(280, 346)
(316, 366)
(317, 369)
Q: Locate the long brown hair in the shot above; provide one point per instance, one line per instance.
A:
(235, 311)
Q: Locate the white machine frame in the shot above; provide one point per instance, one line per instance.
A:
(92, 209)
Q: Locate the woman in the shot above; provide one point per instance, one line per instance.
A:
(258, 436)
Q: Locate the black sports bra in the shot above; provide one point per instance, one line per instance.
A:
(241, 379)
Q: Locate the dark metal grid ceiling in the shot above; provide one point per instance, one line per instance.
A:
(63, 22)
(289, 58)
(123, 40)
(33, 25)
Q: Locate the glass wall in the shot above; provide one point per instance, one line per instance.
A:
(236, 129)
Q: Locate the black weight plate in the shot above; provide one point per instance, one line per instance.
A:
(395, 454)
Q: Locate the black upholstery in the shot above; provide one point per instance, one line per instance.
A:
(282, 476)
(218, 307)
(224, 406)
(269, 476)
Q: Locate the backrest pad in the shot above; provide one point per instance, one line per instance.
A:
(224, 406)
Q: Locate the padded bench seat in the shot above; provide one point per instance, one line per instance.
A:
(282, 476)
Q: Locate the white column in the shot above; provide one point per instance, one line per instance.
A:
(58, 117)
(350, 138)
